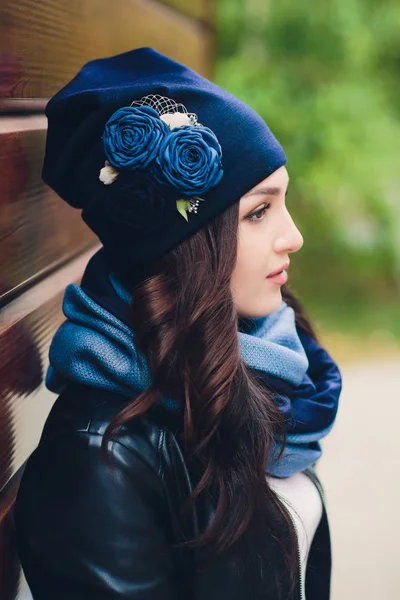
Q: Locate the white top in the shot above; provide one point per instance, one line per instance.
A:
(302, 499)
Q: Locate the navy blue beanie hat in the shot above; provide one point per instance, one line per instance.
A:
(151, 151)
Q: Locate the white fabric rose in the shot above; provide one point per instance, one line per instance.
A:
(108, 174)
(176, 119)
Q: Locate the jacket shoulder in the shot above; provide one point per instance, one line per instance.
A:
(82, 409)
(84, 530)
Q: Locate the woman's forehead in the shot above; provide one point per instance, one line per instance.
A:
(273, 185)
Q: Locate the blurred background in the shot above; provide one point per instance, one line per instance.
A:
(325, 76)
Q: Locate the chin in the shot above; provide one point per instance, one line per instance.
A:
(272, 306)
(262, 308)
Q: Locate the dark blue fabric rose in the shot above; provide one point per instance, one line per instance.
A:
(189, 160)
(136, 200)
(132, 137)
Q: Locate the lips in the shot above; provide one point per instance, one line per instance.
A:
(279, 270)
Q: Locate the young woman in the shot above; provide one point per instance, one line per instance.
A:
(177, 461)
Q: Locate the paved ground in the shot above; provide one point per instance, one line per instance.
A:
(360, 471)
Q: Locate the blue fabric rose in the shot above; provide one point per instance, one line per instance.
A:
(138, 201)
(189, 160)
(132, 137)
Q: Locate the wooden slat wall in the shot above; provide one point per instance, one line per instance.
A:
(44, 43)
(30, 211)
(44, 245)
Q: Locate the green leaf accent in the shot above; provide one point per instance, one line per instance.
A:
(183, 206)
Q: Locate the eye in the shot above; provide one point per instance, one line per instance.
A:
(258, 215)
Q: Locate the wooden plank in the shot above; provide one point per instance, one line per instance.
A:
(37, 228)
(27, 325)
(23, 397)
(201, 10)
(48, 288)
(43, 44)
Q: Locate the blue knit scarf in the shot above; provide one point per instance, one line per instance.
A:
(95, 346)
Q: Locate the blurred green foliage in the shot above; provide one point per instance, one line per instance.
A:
(325, 76)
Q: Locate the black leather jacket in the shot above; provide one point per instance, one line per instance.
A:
(87, 533)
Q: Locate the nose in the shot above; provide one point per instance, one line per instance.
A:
(290, 238)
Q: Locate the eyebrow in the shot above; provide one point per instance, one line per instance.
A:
(266, 191)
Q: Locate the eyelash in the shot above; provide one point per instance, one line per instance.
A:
(260, 211)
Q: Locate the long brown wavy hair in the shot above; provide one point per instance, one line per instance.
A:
(186, 327)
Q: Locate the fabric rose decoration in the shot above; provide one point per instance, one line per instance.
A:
(132, 137)
(108, 174)
(155, 160)
(138, 201)
(189, 160)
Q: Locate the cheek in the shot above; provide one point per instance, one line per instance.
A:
(252, 294)
(253, 251)
(250, 269)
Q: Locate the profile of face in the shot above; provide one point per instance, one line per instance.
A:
(266, 237)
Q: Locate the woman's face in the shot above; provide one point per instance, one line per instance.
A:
(266, 237)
